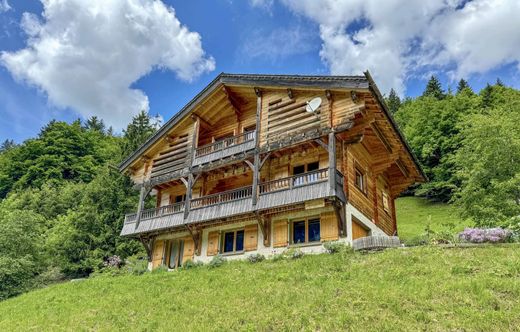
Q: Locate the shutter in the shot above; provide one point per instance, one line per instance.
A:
(328, 227)
(158, 252)
(189, 249)
(280, 234)
(251, 237)
(213, 238)
(358, 231)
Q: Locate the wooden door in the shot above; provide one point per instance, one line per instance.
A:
(158, 253)
(358, 230)
(280, 235)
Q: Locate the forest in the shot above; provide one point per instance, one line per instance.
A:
(62, 199)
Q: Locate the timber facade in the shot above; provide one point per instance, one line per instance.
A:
(245, 168)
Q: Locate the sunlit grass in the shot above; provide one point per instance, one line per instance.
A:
(414, 289)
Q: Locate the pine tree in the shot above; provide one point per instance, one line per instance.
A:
(95, 124)
(393, 101)
(6, 145)
(499, 82)
(486, 94)
(434, 89)
(463, 86)
(137, 132)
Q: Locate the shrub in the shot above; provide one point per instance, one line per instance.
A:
(113, 261)
(420, 240)
(482, 235)
(15, 276)
(335, 247)
(294, 253)
(136, 264)
(189, 264)
(255, 258)
(217, 261)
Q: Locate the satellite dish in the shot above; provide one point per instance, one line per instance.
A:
(313, 105)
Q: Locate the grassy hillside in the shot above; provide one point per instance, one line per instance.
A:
(415, 214)
(423, 288)
(400, 289)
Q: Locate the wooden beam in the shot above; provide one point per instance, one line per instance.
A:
(195, 235)
(232, 100)
(329, 98)
(381, 137)
(402, 168)
(332, 164)
(203, 123)
(322, 143)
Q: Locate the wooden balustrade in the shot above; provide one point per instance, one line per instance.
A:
(225, 143)
(222, 197)
(157, 212)
(294, 181)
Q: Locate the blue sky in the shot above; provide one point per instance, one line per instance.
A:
(255, 36)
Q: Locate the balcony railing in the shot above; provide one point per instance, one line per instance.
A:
(222, 197)
(225, 143)
(157, 212)
(294, 181)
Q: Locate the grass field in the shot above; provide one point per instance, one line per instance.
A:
(415, 214)
(421, 288)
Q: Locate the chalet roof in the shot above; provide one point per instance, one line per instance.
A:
(260, 80)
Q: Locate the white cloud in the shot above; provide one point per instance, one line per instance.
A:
(86, 54)
(4, 6)
(263, 4)
(279, 43)
(396, 39)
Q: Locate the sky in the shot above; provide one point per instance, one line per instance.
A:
(70, 59)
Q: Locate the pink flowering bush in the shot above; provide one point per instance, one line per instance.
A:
(482, 235)
(113, 261)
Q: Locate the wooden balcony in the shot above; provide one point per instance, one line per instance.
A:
(280, 192)
(155, 219)
(224, 148)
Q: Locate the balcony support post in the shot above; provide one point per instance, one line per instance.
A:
(332, 163)
(145, 190)
(256, 163)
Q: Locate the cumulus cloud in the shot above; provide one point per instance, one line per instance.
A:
(397, 39)
(4, 6)
(86, 54)
(279, 43)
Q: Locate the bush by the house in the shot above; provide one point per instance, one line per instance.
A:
(483, 235)
(334, 247)
(216, 261)
(255, 258)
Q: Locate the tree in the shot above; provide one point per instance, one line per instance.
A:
(489, 165)
(499, 82)
(434, 89)
(6, 145)
(486, 95)
(137, 132)
(393, 101)
(95, 124)
(463, 86)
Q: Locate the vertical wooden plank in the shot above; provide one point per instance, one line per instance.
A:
(256, 168)
(157, 256)
(213, 242)
(189, 249)
(328, 227)
(251, 237)
(375, 199)
(332, 164)
(280, 236)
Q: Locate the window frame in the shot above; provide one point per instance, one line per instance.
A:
(386, 207)
(363, 188)
(306, 221)
(223, 241)
(305, 167)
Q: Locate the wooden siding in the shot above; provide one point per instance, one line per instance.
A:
(213, 243)
(329, 227)
(189, 249)
(358, 231)
(158, 254)
(224, 153)
(250, 237)
(280, 233)
(357, 156)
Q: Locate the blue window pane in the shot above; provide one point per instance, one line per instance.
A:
(240, 241)
(314, 230)
(228, 242)
(299, 232)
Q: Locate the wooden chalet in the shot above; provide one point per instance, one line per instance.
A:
(248, 166)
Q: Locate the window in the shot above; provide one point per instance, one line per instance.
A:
(360, 180)
(305, 231)
(386, 202)
(307, 178)
(176, 248)
(233, 241)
